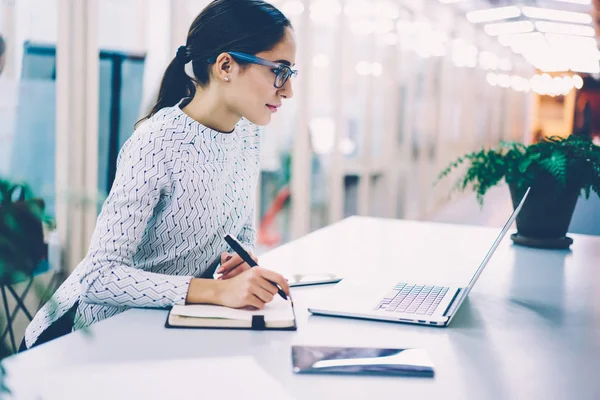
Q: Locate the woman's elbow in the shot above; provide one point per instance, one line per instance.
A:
(89, 287)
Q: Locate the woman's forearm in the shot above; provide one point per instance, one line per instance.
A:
(120, 285)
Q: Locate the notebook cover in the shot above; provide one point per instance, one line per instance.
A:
(291, 328)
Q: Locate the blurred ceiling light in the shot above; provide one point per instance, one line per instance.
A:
(503, 80)
(529, 41)
(563, 85)
(506, 28)
(390, 39)
(493, 14)
(405, 27)
(555, 52)
(464, 54)
(488, 60)
(358, 9)
(438, 51)
(292, 7)
(578, 43)
(519, 84)
(471, 56)
(422, 25)
(325, 10)
(547, 80)
(557, 15)
(376, 69)
(577, 81)
(386, 9)
(537, 85)
(431, 43)
(516, 38)
(586, 68)
(566, 29)
(492, 78)
(557, 86)
(584, 2)
(504, 64)
(322, 134)
(383, 26)
(320, 61)
(363, 68)
(549, 63)
(347, 146)
(361, 26)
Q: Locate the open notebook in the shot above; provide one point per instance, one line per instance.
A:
(278, 314)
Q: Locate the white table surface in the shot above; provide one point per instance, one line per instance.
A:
(529, 330)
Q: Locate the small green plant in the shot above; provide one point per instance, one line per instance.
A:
(21, 231)
(22, 246)
(573, 161)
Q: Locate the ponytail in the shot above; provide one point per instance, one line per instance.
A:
(175, 85)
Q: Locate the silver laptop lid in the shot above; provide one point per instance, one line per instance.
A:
(464, 293)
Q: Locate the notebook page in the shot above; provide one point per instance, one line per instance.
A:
(277, 310)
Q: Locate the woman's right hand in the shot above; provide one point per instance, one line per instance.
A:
(251, 288)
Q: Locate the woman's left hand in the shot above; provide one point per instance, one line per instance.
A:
(233, 265)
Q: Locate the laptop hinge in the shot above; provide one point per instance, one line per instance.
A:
(451, 306)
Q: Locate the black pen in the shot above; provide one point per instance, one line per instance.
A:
(246, 257)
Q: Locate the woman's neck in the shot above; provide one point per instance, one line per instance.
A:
(209, 109)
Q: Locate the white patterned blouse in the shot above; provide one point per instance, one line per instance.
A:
(179, 188)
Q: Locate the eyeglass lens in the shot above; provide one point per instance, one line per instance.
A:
(282, 77)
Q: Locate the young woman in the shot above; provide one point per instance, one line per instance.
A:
(186, 178)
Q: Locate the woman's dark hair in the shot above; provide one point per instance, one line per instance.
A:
(247, 26)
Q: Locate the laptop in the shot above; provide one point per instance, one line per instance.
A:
(405, 302)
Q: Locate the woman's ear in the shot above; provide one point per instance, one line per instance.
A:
(224, 66)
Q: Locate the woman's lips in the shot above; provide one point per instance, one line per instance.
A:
(273, 109)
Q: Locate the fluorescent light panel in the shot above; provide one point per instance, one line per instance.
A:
(580, 43)
(493, 14)
(584, 2)
(566, 29)
(510, 40)
(507, 28)
(557, 15)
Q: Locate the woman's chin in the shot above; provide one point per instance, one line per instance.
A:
(260, 120)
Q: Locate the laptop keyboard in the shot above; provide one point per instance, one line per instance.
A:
(413, 299)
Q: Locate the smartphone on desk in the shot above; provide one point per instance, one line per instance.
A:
(312, 279)
(361, 361)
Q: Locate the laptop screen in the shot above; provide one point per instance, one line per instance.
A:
(489, 254)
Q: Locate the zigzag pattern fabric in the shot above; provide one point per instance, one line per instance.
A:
(180, 188)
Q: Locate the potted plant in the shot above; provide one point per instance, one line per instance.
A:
(557, 169)
(22, 245)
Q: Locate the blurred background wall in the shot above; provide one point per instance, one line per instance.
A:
(389, 93)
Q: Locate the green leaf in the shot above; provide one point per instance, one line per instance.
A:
(574, 161)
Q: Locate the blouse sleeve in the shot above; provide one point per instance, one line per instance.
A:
(247, 235)
(109, 276)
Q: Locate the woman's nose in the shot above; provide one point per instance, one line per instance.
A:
(287, 90)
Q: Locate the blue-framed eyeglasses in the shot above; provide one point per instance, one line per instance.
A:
(282, 72)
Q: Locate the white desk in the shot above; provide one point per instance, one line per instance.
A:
(530, 329)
